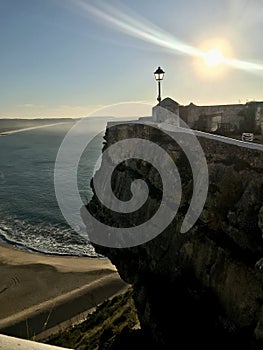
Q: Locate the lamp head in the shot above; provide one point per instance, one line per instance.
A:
(159, 73)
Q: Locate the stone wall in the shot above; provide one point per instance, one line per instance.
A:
(190, 114)
(230, 114)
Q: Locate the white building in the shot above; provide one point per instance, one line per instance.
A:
(166, 111)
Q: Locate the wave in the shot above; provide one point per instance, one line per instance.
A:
(53, 239)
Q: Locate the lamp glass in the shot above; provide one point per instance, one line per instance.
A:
(159, 73)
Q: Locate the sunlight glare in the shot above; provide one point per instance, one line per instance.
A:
(213, 57)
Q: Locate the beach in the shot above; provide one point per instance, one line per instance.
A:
(39, 292)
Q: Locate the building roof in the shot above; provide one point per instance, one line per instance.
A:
(169, 104)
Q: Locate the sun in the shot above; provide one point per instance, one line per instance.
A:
(212, 62)
(213, 57)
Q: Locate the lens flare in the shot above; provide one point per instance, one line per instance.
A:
(138, 27)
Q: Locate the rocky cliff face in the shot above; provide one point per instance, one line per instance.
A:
(203, 287)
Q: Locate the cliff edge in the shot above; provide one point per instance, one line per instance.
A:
(203, 287)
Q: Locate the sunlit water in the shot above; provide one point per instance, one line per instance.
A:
(29, 214)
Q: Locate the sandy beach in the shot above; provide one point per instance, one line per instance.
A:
(38, 292)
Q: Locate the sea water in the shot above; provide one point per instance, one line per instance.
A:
(29, 214)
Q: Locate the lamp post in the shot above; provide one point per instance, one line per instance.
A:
(159, 73)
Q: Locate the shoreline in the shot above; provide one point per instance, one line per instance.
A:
(19, 251)
(24, 248)
(40, 291)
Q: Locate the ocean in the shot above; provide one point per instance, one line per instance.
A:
(29, 214)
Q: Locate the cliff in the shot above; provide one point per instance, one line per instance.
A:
(203, 287)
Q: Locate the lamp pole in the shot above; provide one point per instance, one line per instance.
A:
(159, 92)
(159, 73)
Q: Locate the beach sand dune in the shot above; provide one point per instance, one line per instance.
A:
(38, 292)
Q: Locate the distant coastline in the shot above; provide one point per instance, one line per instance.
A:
(9, 126)
(5, 133)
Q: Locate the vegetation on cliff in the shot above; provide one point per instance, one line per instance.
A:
(104, 328)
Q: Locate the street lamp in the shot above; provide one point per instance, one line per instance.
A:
(159, 73)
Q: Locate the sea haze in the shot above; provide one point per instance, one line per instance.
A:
(29, 214)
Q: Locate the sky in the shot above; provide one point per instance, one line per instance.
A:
(68, 58)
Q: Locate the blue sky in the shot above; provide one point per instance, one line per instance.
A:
(63, 58)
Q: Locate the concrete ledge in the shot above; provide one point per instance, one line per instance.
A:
(11, 343)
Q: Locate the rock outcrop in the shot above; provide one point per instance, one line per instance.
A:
(203, 287)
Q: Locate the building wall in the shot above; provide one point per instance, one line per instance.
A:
(190, 114)
(205, 118)
(161, 114)
(259, 118)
